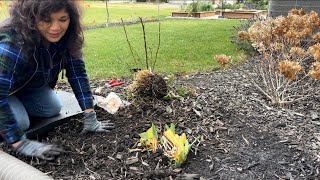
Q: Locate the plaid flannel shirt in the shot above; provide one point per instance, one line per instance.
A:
(17, 74)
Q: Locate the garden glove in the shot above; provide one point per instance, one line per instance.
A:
(91, 124)
(39, 150)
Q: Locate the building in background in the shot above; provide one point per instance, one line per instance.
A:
(181, 1)
(281, 7)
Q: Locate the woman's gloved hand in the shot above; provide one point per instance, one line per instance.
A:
(91, 124)
(37, 149)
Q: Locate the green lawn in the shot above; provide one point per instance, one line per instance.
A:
(187, 46)
(95, 12)
(4, 13)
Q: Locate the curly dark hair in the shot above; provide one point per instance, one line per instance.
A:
(24, 15)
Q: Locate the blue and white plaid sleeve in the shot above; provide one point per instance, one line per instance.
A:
(79, 82)
(9, 58)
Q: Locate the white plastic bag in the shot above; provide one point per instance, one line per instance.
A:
(111, 103)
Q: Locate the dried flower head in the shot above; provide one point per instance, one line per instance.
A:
(297, 12)
(243, 35)
(313, 20)
(261, 32)
(316, 36)
(289, 69)
(260, 47)
(223, 60)
(315, 51)
(277, 46)
(314, 73)
(298, 52)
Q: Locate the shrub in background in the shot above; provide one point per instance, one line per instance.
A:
(206, 7)
(288, 68)
(230, 6)
(196, 6)
(259, 4)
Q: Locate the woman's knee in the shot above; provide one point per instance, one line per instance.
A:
(24, 124)
(42, 102)
(49, 105)
(52, 109)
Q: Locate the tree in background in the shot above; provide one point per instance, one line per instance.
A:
(108, 15)
(259, 4)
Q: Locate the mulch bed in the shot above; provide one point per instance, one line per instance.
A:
(242, 138)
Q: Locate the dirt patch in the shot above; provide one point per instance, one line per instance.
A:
(243, 137)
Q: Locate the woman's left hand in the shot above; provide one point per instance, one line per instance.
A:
(91, 124)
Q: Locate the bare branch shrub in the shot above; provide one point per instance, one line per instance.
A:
(288, 65)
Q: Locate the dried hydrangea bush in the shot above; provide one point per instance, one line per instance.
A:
(288, 65)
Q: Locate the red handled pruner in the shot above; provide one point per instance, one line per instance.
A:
(114, 83)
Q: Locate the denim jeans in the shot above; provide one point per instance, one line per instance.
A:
(42, 102)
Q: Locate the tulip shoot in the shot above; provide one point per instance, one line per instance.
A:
(175, 147)
(149, 139)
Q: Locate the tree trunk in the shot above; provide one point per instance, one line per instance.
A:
(108, 16)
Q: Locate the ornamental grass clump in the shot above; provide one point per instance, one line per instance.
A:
(287, 69)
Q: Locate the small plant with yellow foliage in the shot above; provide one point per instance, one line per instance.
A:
(175, 147)
(149, 139)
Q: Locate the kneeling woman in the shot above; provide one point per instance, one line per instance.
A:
(38, 41)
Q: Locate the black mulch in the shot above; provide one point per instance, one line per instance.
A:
(243, 136)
